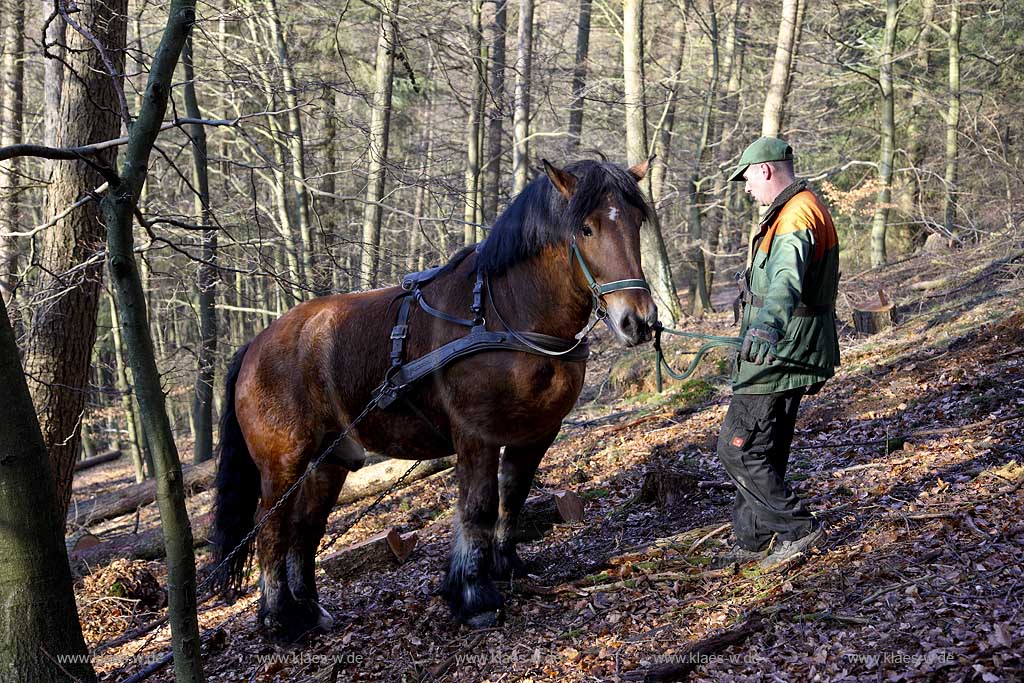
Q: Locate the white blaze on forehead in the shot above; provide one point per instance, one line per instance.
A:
(613, 214)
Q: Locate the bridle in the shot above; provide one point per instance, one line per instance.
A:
(597, 290)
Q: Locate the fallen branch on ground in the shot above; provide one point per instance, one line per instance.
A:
(196, 478)
(97, 460)
(692, 656)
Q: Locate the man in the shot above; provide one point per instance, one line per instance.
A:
(789, 349)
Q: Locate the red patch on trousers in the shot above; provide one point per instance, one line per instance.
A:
(738, 442)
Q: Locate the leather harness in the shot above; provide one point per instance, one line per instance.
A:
(402, 375)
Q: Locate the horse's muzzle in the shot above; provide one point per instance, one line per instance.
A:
(636, 329)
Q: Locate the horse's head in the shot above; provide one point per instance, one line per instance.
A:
(605, 212)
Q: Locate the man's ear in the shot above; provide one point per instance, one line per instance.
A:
(563, 181)
(767, 170)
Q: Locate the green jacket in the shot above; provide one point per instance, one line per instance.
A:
(792, 284)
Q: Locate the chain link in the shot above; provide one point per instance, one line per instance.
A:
(243, 544)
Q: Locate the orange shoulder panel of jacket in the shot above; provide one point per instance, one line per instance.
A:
(804, 212)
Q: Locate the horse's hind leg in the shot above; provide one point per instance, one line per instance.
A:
(518, 467)
(277, 614)
(468, 588)
(314, 501)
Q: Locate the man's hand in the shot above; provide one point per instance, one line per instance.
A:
(759, 346)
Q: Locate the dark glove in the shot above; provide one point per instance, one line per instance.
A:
(760, 345)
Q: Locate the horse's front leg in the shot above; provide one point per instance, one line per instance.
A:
(468, 588)
(518, 467)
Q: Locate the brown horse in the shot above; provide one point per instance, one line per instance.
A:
(293, 389)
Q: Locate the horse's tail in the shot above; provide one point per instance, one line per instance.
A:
(237, 494)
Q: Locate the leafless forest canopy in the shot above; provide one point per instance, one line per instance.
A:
(325, 120)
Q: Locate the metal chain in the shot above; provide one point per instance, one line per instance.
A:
(368, 509)
(243, 544)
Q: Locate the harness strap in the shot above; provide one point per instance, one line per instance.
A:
(476, 341)
(598, 290)
(617, 285)
(478, 304)
(400, 331)
(418, 295)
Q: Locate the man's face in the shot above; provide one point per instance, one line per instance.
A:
(757, 177)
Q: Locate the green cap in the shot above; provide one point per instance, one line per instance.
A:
(761, 150)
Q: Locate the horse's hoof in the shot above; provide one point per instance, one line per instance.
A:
(507, 565)
(296, 624)
(325, 621)
(488, 619)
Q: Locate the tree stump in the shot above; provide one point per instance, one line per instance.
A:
(874, 318)
(540, 513)
(666, 486)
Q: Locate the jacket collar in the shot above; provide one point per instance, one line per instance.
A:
(795, 188)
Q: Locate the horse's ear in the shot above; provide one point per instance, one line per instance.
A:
(640, 170)
(563, 181)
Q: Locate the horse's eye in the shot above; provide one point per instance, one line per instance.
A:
(587, 232)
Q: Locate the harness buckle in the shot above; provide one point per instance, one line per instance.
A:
(400, 332)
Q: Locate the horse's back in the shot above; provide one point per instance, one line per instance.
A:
(291, 385)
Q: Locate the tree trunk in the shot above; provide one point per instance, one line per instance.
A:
(143, 464)
(774, 102)
(12, 82)
(652, 244)
(53, 76)
(38, 617)
(952, 118)
(732, 67)
(118, 207)
(202, 398)
(879, 223)
(327, 206)
(296, 154)
(794, 53)
(579, 77)
(60, 342)
(698, 285)
(127, 499)
(521, 133)
(666, 131)
(287, 219)
(917, 139)
(380, 125)
(472, 176)
(497, 112)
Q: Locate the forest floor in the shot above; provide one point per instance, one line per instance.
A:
(912, 457)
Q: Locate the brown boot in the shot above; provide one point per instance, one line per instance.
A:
(788, 551)
(737, 555)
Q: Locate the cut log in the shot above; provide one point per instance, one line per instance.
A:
(148, 545)
(368, 481)
(97, 460)
(666, 486)
(540, 513)
(385, 550)
(375, 479)
(196, 478)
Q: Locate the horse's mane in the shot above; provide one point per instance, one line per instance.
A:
(540, 216)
